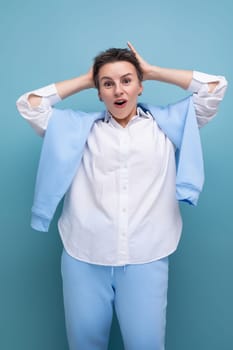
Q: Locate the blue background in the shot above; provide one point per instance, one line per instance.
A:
(48, 41)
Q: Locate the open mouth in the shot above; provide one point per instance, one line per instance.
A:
(120, 103)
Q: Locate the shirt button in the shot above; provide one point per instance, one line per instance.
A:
(124, 210)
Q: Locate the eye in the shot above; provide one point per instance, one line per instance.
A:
(126, 81)
(108, 83)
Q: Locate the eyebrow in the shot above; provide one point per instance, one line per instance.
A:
(123, 76)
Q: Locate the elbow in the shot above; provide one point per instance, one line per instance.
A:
(19, 105)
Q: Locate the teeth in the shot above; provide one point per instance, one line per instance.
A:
(120, 102)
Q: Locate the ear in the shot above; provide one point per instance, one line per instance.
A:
(140, 89)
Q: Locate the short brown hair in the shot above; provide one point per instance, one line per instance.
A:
(114, 55)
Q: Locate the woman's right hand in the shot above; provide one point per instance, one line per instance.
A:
(90, 78)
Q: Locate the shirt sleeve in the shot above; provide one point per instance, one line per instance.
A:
(206, 103)
(38, 117)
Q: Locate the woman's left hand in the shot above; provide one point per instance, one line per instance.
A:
(146, 67)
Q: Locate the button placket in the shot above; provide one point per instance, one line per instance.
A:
(123, 195)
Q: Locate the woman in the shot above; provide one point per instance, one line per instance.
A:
(120, 218)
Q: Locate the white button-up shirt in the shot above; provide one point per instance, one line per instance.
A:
(121, 207)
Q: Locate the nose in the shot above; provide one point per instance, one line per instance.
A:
(118, 90)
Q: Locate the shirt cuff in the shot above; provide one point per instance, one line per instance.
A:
(50, 92)
(199, 79)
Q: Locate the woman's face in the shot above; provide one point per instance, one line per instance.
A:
(119, 88)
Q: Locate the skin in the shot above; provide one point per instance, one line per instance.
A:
(118, 82)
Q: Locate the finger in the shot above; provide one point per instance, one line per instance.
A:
(131, 47)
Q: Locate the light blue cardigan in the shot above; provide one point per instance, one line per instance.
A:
(64, 144)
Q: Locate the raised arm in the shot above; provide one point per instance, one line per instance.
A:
(179, 77)
(208, 90)
(66, 88)
(36, 106)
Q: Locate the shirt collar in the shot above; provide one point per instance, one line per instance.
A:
(140, 114)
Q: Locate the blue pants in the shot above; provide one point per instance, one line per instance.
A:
(138, 293)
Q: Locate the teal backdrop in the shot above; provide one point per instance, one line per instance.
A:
(47, 41)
